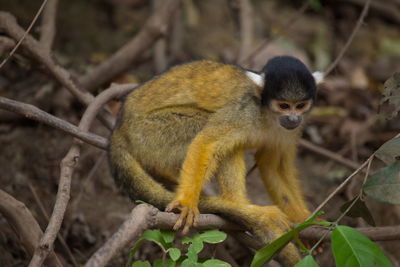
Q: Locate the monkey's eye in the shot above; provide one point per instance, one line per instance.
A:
(300, 106)
(284, 106)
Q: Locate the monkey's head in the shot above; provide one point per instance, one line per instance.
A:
(289, 90)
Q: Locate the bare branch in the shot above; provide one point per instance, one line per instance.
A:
(34, 113)
(155, 27)
(24, 225)
(48, 27)
(68, 165)
(383, 233)
(24, 34)
(147, 217)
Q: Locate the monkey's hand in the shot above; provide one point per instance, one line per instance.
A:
(189, 214)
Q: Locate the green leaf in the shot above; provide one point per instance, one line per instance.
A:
(187, 240)
(135, 247)
(190, 263)
(156, 237)
(266, 253)
(307, 261)
(158, 263)
(168, 236)
(352, 249)
(389, 152)
(174, 253)
(215, 263)
(384, 186)
(359, 209)
(170, 263)
(141, 264)
(213, 236)
(197, 244)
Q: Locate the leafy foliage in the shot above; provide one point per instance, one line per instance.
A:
(359, 209)
(389, 152)
(353, 249)
(164, 239)
(384, 186)
(307, 261)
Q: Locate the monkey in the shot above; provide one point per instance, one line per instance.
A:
(195, 121)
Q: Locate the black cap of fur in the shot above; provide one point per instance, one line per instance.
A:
(287, 78)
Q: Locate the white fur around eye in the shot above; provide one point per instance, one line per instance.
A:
(256, 78)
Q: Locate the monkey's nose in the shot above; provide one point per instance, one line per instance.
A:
(290, 121)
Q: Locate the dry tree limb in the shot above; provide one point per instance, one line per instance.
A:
(23, 36)
(67, 166)
(147, 217)
(154, 28)
(382, 233)
(24, 225)
(246, 29)
(48, 27)
(6, 44)
(34, 113)
(10, 26)
(46, 215)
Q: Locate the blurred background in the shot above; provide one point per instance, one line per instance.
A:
(348, 119)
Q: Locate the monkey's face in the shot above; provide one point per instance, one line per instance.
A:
(290, 113)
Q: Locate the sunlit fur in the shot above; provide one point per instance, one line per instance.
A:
(193, 123)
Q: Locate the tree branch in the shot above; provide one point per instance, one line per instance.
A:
(246, 29)
(155, 27)
(145, 217)
(48, 27)
(68, 165)
(24, 225)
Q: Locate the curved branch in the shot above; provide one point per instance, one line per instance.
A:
(24, 225)
(154, 28)
(48, 27)
(68, 165)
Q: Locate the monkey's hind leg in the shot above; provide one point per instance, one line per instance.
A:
(139, 185)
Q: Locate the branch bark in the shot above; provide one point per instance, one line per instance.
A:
(246, 30)
(24, 225)
(48, 27)
(68, 165)
(155, 27)
(145, 217)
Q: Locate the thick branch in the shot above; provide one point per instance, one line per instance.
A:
(24, 225)
(147, 217)
(48, 27)
(155, 27)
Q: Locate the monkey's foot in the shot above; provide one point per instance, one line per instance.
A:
(188, 216)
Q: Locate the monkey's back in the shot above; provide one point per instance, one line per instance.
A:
(207, 85)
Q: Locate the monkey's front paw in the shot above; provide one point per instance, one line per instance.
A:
(188, 217)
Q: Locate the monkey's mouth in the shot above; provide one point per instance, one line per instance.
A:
(290, 122)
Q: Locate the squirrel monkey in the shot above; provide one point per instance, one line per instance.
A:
(195, 121)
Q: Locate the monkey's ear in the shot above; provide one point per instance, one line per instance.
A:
(258, 79)
(318, 77)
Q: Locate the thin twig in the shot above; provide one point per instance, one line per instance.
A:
(25, 34)
(350, 40)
